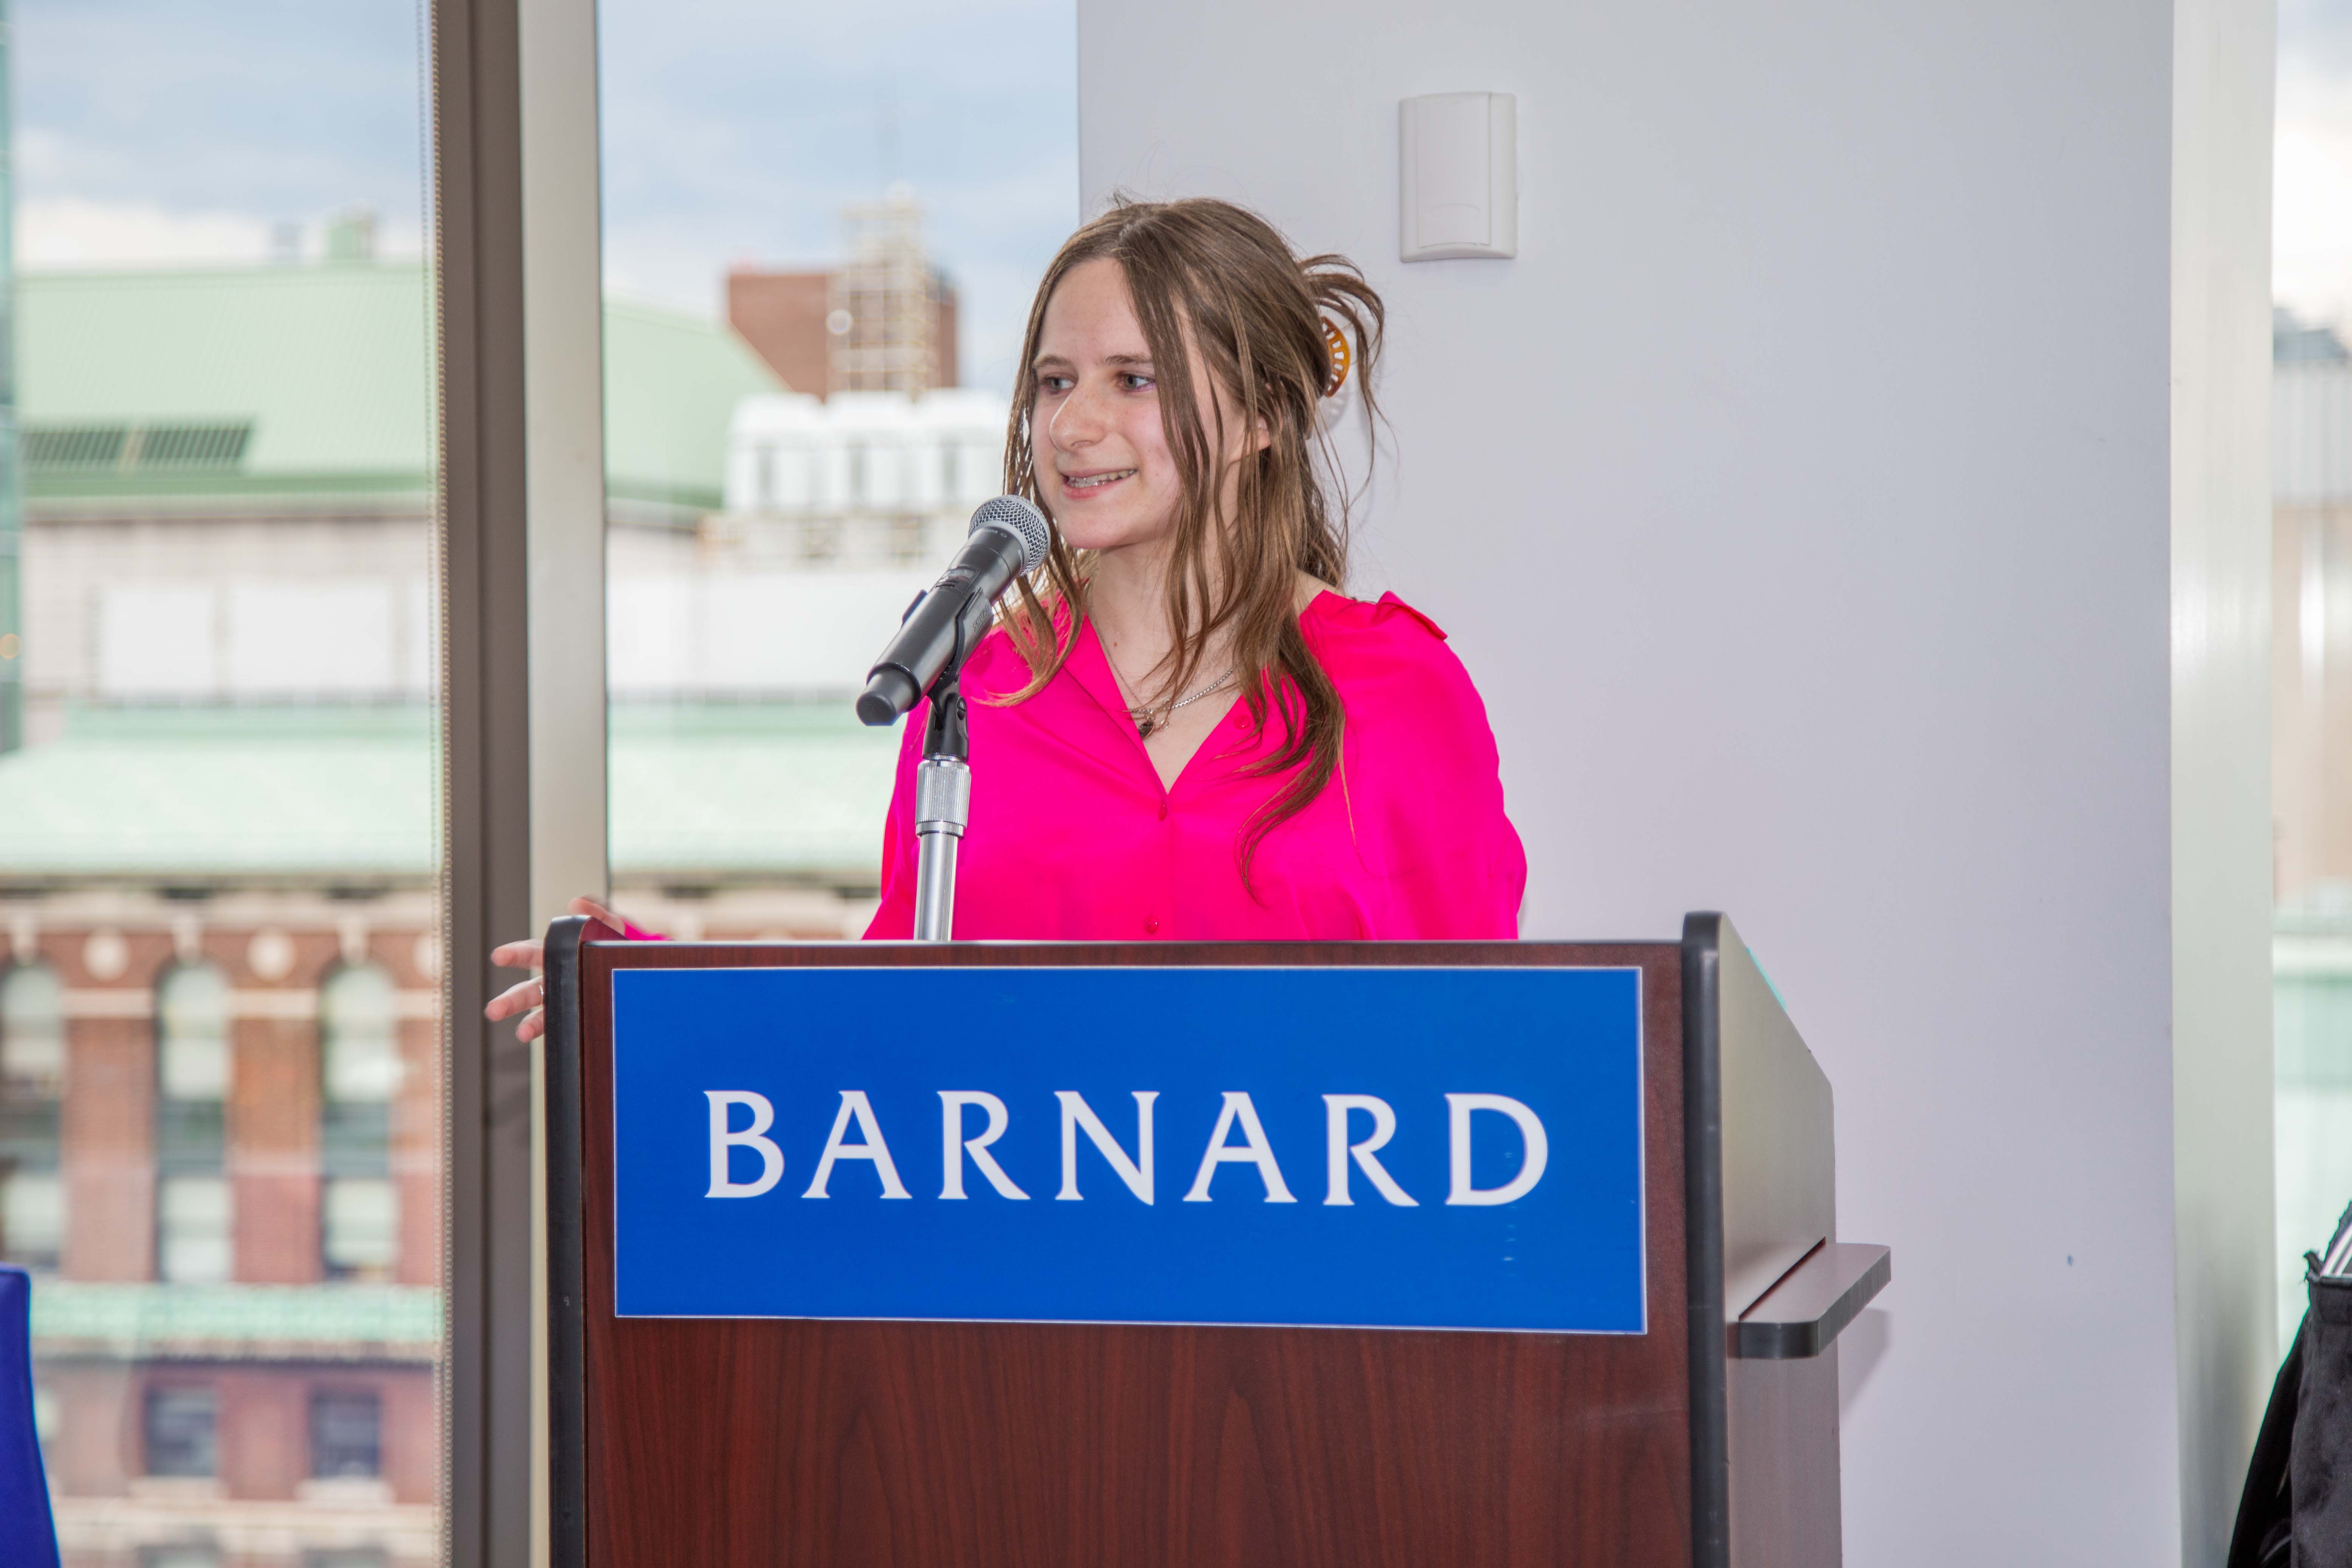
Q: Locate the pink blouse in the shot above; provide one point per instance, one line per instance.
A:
(1072, 838)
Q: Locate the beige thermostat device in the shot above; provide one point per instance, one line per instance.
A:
(1458, 174)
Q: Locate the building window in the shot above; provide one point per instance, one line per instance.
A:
(346, 1557)
(346, 1435)
(181, 1554)
(32, 1081)
(192, 1066)
(360, 1077)
(179, 1432)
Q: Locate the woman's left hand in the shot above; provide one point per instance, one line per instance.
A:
(531, 994)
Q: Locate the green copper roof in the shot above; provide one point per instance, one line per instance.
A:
(671, 384)
(138, 1321)
(327, 370)
(724, 793)
(728, 791)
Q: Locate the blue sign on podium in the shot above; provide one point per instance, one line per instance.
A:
(1406, 1148)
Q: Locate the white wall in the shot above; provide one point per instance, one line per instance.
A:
(1799, 498)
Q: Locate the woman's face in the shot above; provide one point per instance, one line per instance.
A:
(1102, 454)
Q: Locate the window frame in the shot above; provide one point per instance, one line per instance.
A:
(518, 267)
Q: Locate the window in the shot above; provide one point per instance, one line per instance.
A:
(179, 1431)
(359, 1079)
(181, 1554)
(346, 1436)
(833, 410)
(221, 1084)
(117, 447)
(32, 1079)
(192, 1073)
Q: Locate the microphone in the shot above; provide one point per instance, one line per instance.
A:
(1008, 537)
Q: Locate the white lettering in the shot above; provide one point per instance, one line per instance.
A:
(1460, 1106)
(854, 1106)
(1135, 1173)
(1336, 1109)
(723, 1143)
(1254, 1151)
(954, 1144)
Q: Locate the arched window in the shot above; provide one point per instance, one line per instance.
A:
(359, 1078)
(32, 1084)
(192, 1068)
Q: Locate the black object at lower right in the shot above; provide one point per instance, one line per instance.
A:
(2297, 1506)
(2319, 1465)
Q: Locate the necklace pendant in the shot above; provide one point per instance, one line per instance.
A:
(1143, 727)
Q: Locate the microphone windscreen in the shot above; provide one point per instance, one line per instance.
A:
(1020, 520)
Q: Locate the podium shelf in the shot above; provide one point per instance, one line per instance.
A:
(1802, 1314)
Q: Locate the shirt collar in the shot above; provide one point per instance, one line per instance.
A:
(1090, 667)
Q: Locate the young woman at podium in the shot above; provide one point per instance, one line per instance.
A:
(1182, 730)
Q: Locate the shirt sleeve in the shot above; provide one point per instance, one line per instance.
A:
(1455, 867)
(894, 920)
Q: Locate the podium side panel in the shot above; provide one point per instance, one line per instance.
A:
(726, 1442)
(1763, 1196)
(1779, 1175)
(1784, 1463)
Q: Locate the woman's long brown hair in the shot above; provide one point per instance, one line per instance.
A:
(1212, 277)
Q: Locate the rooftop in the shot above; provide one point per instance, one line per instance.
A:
(717, 793)
(314, 380)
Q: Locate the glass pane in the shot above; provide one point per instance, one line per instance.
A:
(220, 957)
(822, 229)
(2311, 621)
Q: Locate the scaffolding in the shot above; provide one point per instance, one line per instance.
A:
(882, 315)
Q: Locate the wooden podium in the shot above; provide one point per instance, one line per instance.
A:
(1707, 1438)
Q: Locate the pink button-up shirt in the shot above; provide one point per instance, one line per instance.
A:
(1074, 839)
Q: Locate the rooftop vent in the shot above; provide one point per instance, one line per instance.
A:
(124, 448)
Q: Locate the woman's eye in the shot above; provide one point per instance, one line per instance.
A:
(1053, 384)
(1135, 383)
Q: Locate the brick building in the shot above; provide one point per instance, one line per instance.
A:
(883, 321)
(221, 1060)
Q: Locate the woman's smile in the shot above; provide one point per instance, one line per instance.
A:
(1081, 487)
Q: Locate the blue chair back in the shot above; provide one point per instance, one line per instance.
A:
(29, 1536)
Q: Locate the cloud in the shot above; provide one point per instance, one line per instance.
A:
(2311, 258)
(276, 108)
(2311, 244)
(735, 131)
(68, 231)
(154, 131)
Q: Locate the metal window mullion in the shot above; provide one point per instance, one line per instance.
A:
(521, 541)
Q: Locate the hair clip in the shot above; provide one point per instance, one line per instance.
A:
(1339, 398)
(1335, 341)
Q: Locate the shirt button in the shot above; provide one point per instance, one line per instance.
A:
(1151, 924)
(1163, 811)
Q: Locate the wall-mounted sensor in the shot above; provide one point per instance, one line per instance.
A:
(1458, 168)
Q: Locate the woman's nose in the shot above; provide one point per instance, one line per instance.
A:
(1078, 422)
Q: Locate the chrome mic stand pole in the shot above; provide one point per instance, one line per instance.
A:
(942, 807)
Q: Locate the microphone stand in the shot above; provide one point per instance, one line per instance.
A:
(943, 789)
(942, 807)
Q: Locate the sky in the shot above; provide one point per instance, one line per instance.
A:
(155, 132)
(734, 131)
(2311, 247)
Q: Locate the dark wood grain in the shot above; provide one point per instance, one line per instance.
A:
(1785, 1497)
(842, 1445)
